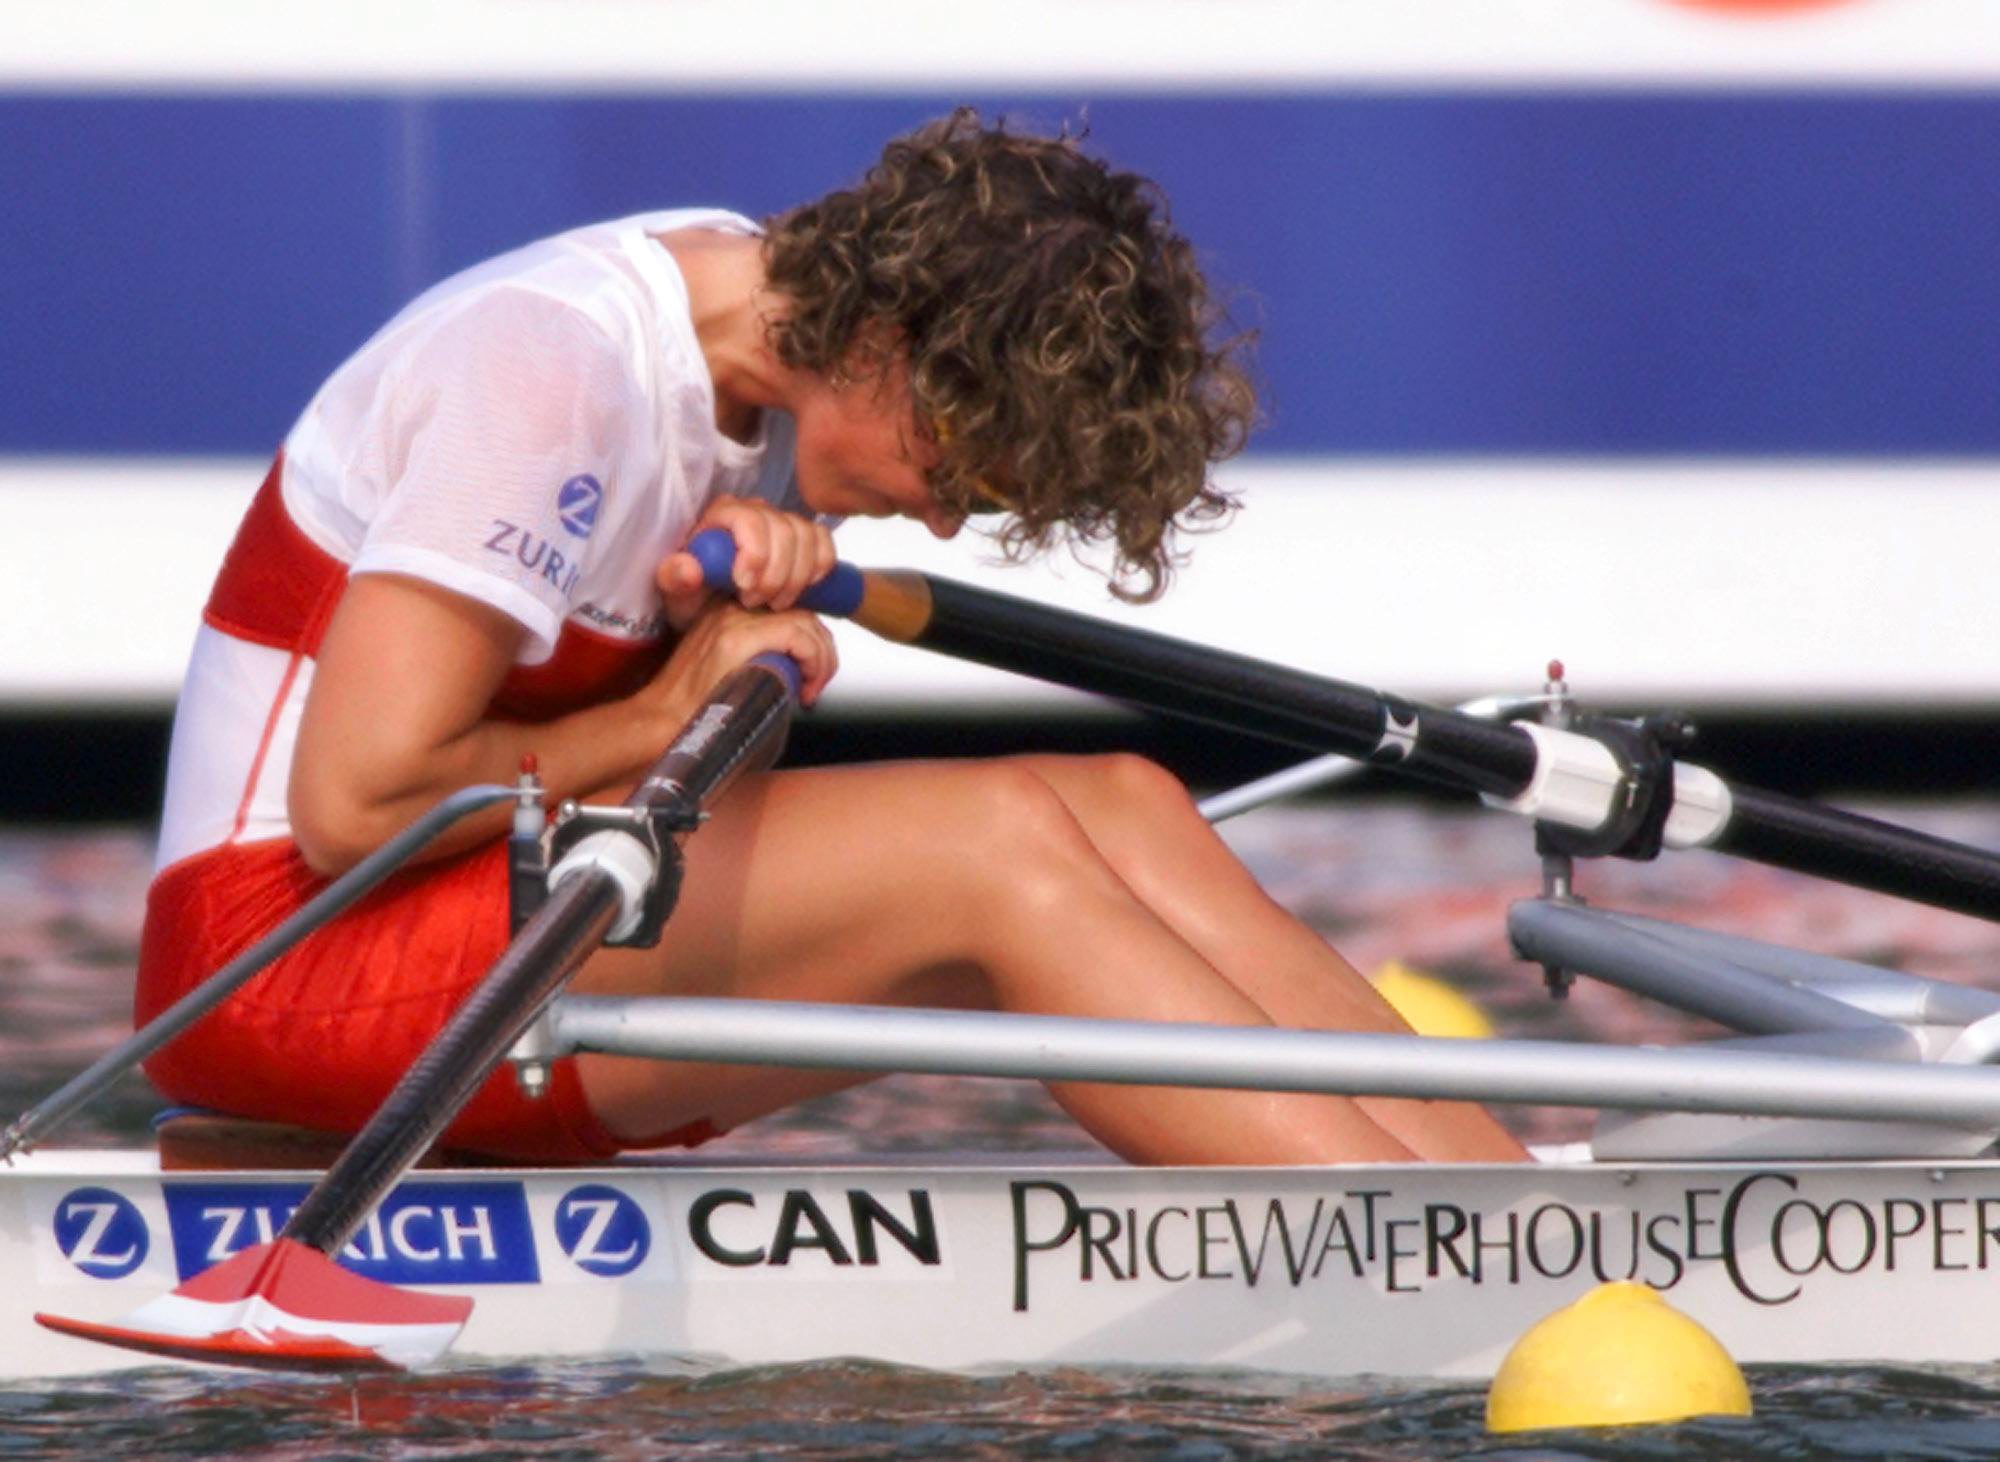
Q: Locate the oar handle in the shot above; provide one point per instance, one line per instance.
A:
(784, 667)
(839, 593)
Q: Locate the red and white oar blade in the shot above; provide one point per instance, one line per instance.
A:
(284, 1305)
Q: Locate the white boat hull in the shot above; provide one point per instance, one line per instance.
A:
(1409, 1271)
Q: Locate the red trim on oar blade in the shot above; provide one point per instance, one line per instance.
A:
(285, 1304)
(275, 1350)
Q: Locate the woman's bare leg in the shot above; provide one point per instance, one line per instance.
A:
(1141, 820)
(943, 883)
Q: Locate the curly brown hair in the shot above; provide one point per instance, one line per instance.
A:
(1062, 344)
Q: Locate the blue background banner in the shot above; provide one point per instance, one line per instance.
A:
(1795, 273)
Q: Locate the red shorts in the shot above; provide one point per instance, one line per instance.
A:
(321, 1035)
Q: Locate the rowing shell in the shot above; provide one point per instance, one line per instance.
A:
(1419, 1271)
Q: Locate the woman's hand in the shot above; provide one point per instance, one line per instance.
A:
(779, 556)
(724, 638)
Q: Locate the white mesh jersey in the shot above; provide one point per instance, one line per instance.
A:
(535, 433)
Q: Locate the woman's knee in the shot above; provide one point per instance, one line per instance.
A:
(1027, 847)
(1138, 815)
(1141, 784)
(1121, 786)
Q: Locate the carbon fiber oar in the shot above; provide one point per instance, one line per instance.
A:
(286, 1303)
(1569, 779)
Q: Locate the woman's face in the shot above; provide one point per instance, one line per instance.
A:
(861, 454)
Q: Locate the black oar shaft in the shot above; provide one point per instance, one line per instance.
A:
(563, 933)
(1223, 689)
(742, 721)
(1784, 832)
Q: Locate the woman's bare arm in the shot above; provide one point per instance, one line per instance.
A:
(396, 717)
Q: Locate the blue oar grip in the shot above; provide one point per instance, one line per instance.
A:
(839, 593)
(784, 667)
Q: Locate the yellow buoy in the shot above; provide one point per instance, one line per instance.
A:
(1620, 1356)
(1431, 1007)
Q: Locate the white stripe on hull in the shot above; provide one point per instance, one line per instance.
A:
(1414, 1271)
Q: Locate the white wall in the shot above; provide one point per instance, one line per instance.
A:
(1738, 584)
(875, 44)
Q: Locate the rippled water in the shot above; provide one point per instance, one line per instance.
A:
(855, 1408)
(1429, 887)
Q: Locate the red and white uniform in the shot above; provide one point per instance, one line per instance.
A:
(536, 433)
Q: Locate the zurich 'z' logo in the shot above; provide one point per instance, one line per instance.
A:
(101, 1232)
(577, 504)
(602, 1230)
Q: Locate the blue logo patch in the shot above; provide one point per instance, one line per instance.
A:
(101, 1232)
(424, 1232)
(602, 1230)
(577, 504)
